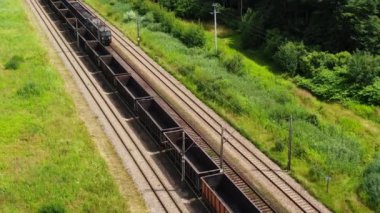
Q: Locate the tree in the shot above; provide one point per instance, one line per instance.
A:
(361, 19)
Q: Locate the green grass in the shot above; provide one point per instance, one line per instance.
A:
(47, 157)
(330, 140)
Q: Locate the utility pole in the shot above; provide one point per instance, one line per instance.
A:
(138, 29)
(221, 150)
(183, 156)
(215, 5)
(290, 142)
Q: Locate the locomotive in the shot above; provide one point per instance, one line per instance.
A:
(97, 27)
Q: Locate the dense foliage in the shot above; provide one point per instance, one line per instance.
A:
(190, 34)
(370, 188)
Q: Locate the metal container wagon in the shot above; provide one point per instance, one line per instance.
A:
(197, 162)
(155, 119)
(56, 6)
(130, 90)
(85, 37)
(111, 68)
(221, 195)
(95, 50)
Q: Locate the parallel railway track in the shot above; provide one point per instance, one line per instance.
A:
(161, 192)
(234, 141)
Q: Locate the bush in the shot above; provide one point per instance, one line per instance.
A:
(52, 208)
(129, 16)
(363, 68)
(14, 63)
(190, 34)
(288, 56)
(370, 186)
(252, 30)
(273, 40)
(313, 62)
(371, 94)
(193, 36)
(233, 62)
(28, 90)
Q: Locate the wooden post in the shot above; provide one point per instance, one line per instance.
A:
(290, 142)
(221, 150)
(183, 156)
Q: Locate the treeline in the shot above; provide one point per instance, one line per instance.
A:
(330, 47)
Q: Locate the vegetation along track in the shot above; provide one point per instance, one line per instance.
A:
(232, 139)
(164, 196)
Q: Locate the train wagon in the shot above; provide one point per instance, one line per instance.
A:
(111, 68)
(130, 90)
(155, 119)
(98, 28)
(95, 51)
(197, 162)
(221, 195)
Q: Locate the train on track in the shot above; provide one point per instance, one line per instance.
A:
(85, 18)
(194, 165)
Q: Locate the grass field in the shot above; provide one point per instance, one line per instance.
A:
(47, 158)
(330, 140)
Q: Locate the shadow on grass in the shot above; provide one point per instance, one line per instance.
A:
(256, 55)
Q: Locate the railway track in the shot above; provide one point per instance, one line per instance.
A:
(162, 194)
(233, 140)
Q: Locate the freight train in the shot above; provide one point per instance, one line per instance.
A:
(94, 25)
(200, 171)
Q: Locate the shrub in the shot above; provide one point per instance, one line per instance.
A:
(371, 93)
(14, 62)
(52, 208)
(190, 34)
(363, 68)
(186, 8)
(279, 146)
(370, 186)
(193, 36)
(273, 40)
(252, 30)
(288, 56)
(129, 16)
(28, 90)
(313, 62)
(233, 62)
(316, 173)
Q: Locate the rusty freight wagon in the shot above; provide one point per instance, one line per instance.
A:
(197, 162)
(221, 195)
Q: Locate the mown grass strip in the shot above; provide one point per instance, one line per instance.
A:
(48, 161)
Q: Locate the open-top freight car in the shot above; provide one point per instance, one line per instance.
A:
(197, 162)
(160, 121)
(155, 119)
(95, 51)
(219, 193)
(98, 28)
(111, 68)
(130, 90)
